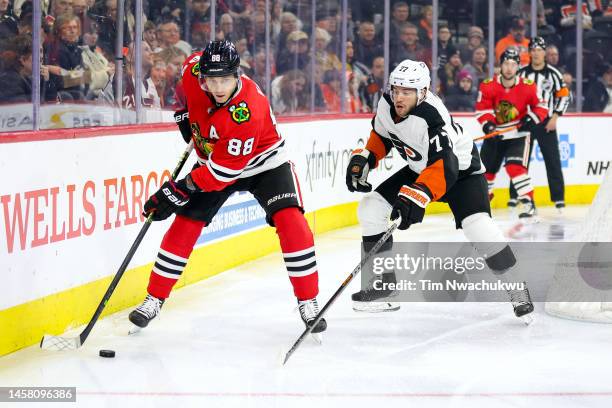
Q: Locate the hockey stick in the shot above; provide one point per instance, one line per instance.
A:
(496, 133)
(343, 286)
(72, 343)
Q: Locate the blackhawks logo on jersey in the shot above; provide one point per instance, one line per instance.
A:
(195, 69)
(240, 113)
(203, 145)
(505, 112)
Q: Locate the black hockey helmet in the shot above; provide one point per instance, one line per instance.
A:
(537, 42)
(219, 58)
(511, 53)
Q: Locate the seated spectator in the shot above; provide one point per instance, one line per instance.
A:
(289, 23)
(331, 88)
(477, 67)
(475, 40)
(296, 55)
(448, 74)
(366, 46)
(399, 16)
(16, 75)
(325, 58)
(568, 79)
(598, 94)
(226, 24)
(174, 58)
(426, 26)
(105, 14)
(59, 7)
(375, 83)
(446, 48)
(359, 74)
(200, 36)
(288, 96)
(515, 38)
(355, 101)
(409, 47)
(199, 22)
(8, 21)
(258, 39)
(168, 34)
(96, 63)
(65, 60)
(155, 84)
(259, 68)
(462, 96)
(150, 36)
(522, 9)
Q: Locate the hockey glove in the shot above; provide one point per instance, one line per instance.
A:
(182, 121)
(526, 125)
(357, 171)
(488, 127)
(410, 206)
(169, 198)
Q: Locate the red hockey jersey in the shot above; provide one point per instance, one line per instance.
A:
(233, 141)
(506, 107)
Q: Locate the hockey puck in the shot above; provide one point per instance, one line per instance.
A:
(107, 353)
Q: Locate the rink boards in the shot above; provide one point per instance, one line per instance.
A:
(71, 209)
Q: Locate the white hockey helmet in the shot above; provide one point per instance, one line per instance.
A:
(411, 74)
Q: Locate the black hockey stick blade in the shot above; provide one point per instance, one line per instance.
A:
(49, 342)
(343, 286)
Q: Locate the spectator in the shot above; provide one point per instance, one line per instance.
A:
(97, 65)
(359, 76)
(324, 58)
(552, 55)
(16, 76)
(477, 67)
(199, 22)
(289, 24)
(105, 14)
(200, 35)
(448, 74)
(366, 46)
(375, 83)
(399, 17)
(258, 39)
(522, 9)
(445, 45)
(288, 94)
(569, 82)
(259, 68)
(59, 7)
(409, 47)
(296, 55)
(462, 96)
(150, 36)
(331, 90)
(475, 40)
(515, 38)
(169, 36)
(426, 26)
(174, 58)
(65, 60)
(8, 22)
(227, 27)
(155, 84)
(598, 97)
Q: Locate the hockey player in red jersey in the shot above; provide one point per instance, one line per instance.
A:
(239, 149)
(505, 101)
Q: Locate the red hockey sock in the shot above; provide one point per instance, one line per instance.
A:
(520, 179)
(173, 254)
(297, 244)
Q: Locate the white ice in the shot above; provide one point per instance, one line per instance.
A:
(218, 343)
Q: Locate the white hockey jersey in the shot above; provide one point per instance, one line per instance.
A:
(431, 142)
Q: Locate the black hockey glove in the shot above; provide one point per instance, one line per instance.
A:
(169, 198)
(360, 164)
(526, 125)
(410, 206)
(182, 121)
(488, 127)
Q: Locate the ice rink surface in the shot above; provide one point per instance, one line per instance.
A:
(218, 343)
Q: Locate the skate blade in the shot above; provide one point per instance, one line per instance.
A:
(134, 329)
(317, 337)
(527, 319)
(375, 307)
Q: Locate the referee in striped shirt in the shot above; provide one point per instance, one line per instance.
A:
(553, 90)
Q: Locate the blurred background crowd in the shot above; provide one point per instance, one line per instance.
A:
(305, 66)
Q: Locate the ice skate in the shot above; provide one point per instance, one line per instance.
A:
(309, 310)
(375, 301)
(528, 210)
(521, 303)
(147, 311)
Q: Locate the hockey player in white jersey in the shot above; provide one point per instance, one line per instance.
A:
(443, 165)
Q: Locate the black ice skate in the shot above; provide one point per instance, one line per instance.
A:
(528, 209)
(309, 310)
(512, 203)
(560, 205)
(147, 311)
(372, 300)
(521, 303)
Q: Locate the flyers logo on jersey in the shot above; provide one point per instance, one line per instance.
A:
(505, 112)
(240, 113)
(411, 153)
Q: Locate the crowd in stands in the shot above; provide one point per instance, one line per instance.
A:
(80, 36)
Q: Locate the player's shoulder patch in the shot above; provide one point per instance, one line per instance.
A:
(487, 80)
(240, 112)
(528, 81)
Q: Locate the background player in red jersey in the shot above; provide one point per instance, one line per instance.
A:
(239, 149)
(504, 101)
